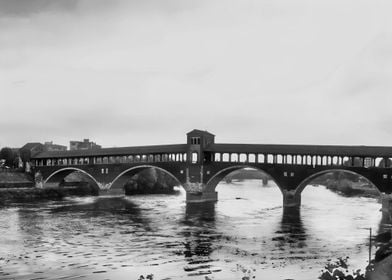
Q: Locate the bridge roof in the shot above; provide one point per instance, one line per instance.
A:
(121, 151)
(365, 151)
(198, 131)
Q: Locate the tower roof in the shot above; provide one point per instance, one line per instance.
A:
(198, 132)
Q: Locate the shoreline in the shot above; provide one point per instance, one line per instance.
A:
(28, 194)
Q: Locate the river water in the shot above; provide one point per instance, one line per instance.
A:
(244, 233)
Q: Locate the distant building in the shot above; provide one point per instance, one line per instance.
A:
(29, 150)
(50, 147)
(86, 144)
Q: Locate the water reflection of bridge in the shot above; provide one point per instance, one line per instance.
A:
(200, 164)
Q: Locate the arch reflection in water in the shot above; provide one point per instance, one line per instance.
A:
(119, 209)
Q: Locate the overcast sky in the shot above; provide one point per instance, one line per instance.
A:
(130, 72)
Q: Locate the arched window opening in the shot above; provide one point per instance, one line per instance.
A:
(194, 158)
(368, 162)
(380, 162)
(252, 158)
(314, 160)
(270, 158)
(279, 159)
(195, 140)
(289, 159)
(234, 158)
(309, 160)
(225, 157)
(388, 163)
(260, 158)
(358, 162)
(299, 159)
(243, 158)
(217, 157)
(346, 161)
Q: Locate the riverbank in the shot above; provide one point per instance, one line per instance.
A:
(347, 184)
(382, 270)
(20, 194)
(12, 179)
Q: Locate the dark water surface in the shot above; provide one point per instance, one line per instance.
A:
(244, 233)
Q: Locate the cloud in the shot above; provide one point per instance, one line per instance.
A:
(28, 7)
(134, 72)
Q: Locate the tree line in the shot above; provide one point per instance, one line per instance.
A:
(9, 158)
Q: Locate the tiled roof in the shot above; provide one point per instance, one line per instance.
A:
(370, 151)
(198, 131)
(122, 151)
(31, 145)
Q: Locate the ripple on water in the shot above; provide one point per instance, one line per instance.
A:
(115, 237)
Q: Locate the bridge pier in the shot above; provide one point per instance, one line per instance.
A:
(196, 192)
(291, 199)
(193, 197)
(386, 206)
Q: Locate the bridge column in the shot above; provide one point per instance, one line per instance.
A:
(291, 199)
(386, 206)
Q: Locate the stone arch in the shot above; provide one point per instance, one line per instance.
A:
(136, 169)
(64, 172)
(307, 180)
(214, 180)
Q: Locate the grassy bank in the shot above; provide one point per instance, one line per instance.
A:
(347, 184)
(350, 188)
(32, 194)
(11, 179)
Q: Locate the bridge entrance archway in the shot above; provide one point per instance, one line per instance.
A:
(59, 175)
(121, 179)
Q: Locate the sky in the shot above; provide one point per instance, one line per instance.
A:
(128, 72)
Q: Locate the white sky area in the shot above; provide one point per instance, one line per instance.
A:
(126, 73)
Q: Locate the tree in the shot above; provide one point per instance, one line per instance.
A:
(8, 155)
